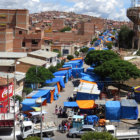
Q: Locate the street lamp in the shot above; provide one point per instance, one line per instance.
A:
(39, 101)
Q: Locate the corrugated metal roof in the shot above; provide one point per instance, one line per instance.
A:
(45, 54)
(12, 55)
(4, 62)
(88, 88)
(32, 61)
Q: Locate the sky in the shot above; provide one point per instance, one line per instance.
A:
(109, 9)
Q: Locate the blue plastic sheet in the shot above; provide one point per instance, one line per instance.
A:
(44, 93)
(113, 110)
(56, 93)
(27, 104)
(90, 69)
(129, 109)
(92, 119)
(70, 104)
(55, 80)
(62, 73)
(86, 96)
(90, 49)
(75, 63)
(76, 72)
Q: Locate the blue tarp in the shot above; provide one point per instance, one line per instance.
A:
(70, 104)
(62, 73)
(55, 80)
(92, 48)
(90, 69)
(76, 72)
(105, 49)
(56, 93)
(44, 93)
(66, 66)
(101, 37)
(109, 39)
(86, 96)
(113, 110)
(129, 109)
(75, 63)
(92, 119)
(27, 104)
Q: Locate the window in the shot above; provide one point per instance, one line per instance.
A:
(47, 49)
(20, 32)
(27, 128)
(111, 131)
(34, 42)
(23, 44)
(65, 51)
(50, 60)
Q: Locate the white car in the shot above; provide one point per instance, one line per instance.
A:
(74, 132)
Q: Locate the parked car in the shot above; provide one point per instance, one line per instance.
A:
(75, 132)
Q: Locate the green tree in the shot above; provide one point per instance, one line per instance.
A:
(52, 69)
(125, 37)
(65, 29)
(69, 57)
(76, 53)
(98, 57)
(38, 75)
(18, 98)
(27, 90)
(118, 70)
(98, 136)
(33, 138)
(84, 49)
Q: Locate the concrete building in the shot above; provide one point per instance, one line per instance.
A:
(48, 56)
(27, 62)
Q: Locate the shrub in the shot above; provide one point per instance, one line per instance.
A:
(69, 57)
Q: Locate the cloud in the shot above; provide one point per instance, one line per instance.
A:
(113, 9)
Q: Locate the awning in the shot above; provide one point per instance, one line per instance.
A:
(137, 89)
(38, 113)
(85, 104)
(70, 104)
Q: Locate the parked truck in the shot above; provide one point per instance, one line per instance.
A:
(123, 134)
(30, 129)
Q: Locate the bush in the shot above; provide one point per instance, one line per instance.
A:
(33, 138)
(98, 136)
(109, 45)
(27, 90)
(65, 29)
(69, 57)
(52, 69)
(84, 50)
(76, 53)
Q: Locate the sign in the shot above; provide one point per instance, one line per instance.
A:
(4, 92)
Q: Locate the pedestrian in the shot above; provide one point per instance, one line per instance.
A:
(60, 127)
(65, 127)
(60, 110)
(56, 109)
(68, 125)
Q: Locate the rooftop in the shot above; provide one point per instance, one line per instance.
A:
(4, 62)
(32, 61)
(44, 54)
(12, 55)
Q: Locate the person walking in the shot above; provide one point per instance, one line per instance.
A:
(56, 109)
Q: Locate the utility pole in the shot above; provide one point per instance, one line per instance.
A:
(8, 92)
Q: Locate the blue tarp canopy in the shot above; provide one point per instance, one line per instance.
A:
(129, 109)
(70, 104)
(92, 119)
(101, 37)
(90, 69)
(113, 110)
(75, 63)
(44, 93)
(62, 73)
(76, 72)
(92, 48)
(109, 39)
(90, 76)
(105, 49)
(96, 43)
(55, 80)
(66, 66)
(27, 104)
